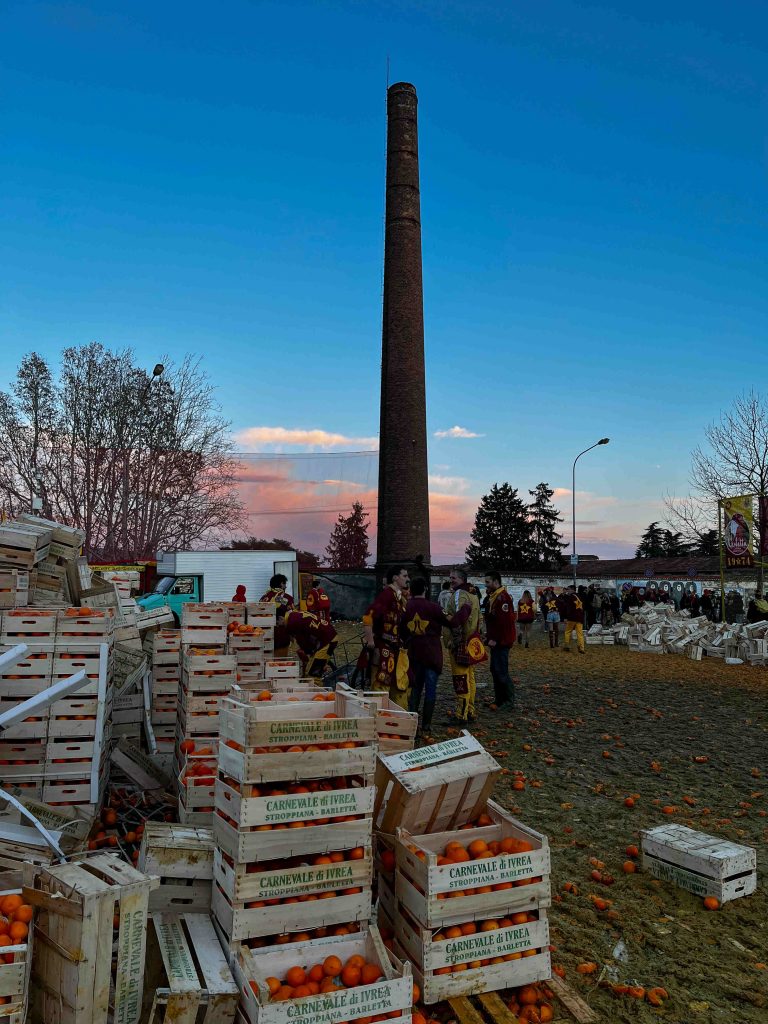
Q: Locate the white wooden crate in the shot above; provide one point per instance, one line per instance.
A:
(392, 993)
(182, 857)
(702, 864)
(518, 881)
(514, 943)
(195, 983)
(434, 788)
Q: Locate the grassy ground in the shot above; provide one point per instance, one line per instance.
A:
(589, 731)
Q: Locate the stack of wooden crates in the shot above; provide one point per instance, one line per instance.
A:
(217, 654)
(293, 861)
(462, 886)
(61, 755)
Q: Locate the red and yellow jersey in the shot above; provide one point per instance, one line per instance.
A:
(319, 604)
(525, 611)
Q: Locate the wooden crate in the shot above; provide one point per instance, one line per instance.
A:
(165, 644)
(434, 788)
(203, 626)
(429, 952)
(267, 725)
(243, 643)
(261, 613)
(702, 864)
(16, 963)
(187, 979)
(72, 962)
(248, 811)
(395, 728)
(238, 920)
(243, 843)
(28, 626)
(9, 579)
(96, 627)
(182, 858)
(242, 881)
(392, 993)
(424, 887)
(22, 545)
(66, 541)
(282, 668)
(208, 672)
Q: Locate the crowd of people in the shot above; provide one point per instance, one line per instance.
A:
(407, 636)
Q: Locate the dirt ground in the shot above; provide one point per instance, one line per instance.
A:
(589, 731)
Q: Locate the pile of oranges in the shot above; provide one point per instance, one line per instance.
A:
(329, 976)
(473, 928)
(14, 924)
(478, 849)
(532, 1004)
(286, 863)
(241, 629)
(319, 697)
(289, 938)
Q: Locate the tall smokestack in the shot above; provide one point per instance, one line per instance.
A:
(403, 518)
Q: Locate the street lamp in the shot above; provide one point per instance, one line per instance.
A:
(574, 559)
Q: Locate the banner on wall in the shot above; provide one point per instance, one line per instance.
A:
(738, 526)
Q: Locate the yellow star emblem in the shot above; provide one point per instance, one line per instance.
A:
(418, 626)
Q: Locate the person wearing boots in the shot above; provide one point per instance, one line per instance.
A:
(552, 617)
(500, 636)
(420, 631)
(526, 613)
(574, 620)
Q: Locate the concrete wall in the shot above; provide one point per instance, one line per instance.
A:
(350, 592)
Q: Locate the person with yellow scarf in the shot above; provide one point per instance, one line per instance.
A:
(464, 612)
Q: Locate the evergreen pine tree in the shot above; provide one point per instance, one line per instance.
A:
(675, 545)
(501, 538)
(651, 543)
(348, 544)
(547, 543)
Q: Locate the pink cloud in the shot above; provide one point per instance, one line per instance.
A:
(256, 438)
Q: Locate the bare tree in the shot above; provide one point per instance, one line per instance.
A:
(138, 461)
(734, 460)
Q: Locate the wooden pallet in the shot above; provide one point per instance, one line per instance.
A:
(489, 1007)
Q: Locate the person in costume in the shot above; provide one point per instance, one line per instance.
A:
(387, 660)
(500, 637)
(526, 613)
(464, 612)
(319, 603)
(277, 596)
(421, 633)
(315, 640)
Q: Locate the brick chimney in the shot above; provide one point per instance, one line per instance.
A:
(403, 515)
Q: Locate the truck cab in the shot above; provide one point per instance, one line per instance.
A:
(173, 591)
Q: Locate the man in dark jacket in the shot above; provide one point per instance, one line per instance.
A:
(420, 631)
(574, 620)
(500, 636)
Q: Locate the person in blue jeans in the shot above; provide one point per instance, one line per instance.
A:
(420, 631)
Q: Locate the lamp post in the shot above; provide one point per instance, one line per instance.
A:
(574, 562)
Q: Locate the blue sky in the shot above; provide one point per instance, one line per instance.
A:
(184, 177)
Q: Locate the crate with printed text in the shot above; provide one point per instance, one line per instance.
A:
(188, 979)
(383, 987)
(486, 871)
(482, 956)
(434, 788)
(77, 906)
(704, 865)
(395, 728)
(281, 740)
